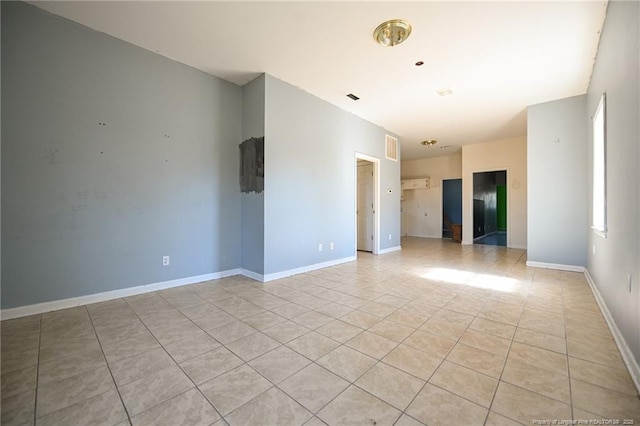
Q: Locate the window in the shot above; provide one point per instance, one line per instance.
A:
(599, 224)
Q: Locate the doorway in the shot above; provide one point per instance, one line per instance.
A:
(490, 208)
(367, 221)
(451, 207)
(365, 210)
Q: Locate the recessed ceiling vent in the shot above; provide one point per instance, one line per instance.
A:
(352, 96)
(391, 147)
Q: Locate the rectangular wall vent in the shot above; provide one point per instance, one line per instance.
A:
(391, 147)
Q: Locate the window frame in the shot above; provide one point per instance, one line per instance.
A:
(599, 169)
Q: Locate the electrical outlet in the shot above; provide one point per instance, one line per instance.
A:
(165, 260)
(389, 237)
(629, 282)
(331, 245)
(319, 247)
(594, 249)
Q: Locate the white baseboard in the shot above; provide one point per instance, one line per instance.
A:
(390, 249)
(627, 355)
(39, 308)
(303, 269)
(517, 247)
(558, 266)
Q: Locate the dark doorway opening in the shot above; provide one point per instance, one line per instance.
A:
(452, 208)
(490, 208)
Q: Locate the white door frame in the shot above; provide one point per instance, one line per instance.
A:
(376, 201)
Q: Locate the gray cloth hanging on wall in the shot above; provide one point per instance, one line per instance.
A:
(252, 165)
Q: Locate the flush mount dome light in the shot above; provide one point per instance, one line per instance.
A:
(392, 32)
(429, 142)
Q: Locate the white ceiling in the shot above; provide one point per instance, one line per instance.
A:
(498, 57)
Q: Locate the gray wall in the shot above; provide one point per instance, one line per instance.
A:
(88, 207)
(617, 72)
(253, 104)
(557, 179)
(310, 181)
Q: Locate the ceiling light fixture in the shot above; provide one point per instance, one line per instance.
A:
(445, 92)
(419, 64)
(429, 142)
(392, 33)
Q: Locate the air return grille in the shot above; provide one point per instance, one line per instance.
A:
(391, 147)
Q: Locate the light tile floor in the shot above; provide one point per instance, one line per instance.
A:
(438, 333)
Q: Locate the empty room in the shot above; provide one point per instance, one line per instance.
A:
(320, 213)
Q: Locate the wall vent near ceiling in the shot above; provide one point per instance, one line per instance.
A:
(391, 147)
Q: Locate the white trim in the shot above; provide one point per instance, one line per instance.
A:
(390, 250)
(54, 305)
(627, 355)
(557, 266)
(253, 275)
(376, 201)
(303, 269)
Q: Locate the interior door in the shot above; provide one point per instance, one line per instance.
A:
(365, 207)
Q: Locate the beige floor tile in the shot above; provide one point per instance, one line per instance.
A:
(541, 340)
(469, 384)
(103, 409)
(435, 406)
(123, 349)
(339, 331)
(286, 331)
(191, 346)
(543, 358)
(391, 385)
(525, 406)
(361, 319)
(75, 362)
(431, 343)
(313, 387)
(392, 330)
(253, 346)
(346, 363)
(486, 342)
(290, 311)
(138, 366)
(210, 364)
(12, 361)
(153, 389)
(476, 359)
(378, 309)
(279, 364)
(313, 345)
(57, 395)
(231, 332)
(214, 320)
(465, 304)
(273, 407)
(18, 381)
(502, 312)
(18, 409)
(602, 354)
(175, 333)
(494, 419)
(264, 320)
(543, 322)
(334, 310)
(405, 420)
(188, 408)
(234, 388)
(408, 317)
(499, 329)
(601, 375)
(545, 382)
(128, 330)
(415, 362)
(312, 320)
(371, 344)
(356, 407)
(604, 402)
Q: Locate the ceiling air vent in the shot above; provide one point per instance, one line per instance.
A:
(352, 96)
(391, 147)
